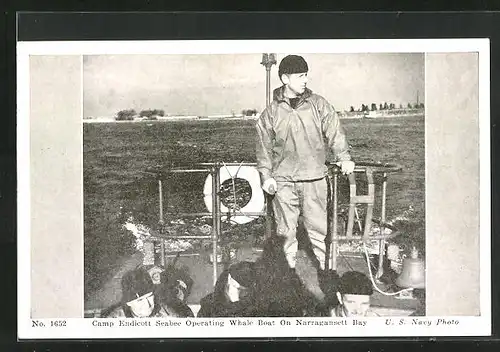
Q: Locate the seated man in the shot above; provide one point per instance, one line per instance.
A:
(233, 295)
(175, 288)
(176, 283)
(169, 287)
(139, 299)
(354, 295)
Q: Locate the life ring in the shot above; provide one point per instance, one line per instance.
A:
(251, 175)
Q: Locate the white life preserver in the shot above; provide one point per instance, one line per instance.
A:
(251, 175)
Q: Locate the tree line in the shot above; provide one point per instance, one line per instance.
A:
(386, 106)
(249, 112)
(130, 114)
(152, 114)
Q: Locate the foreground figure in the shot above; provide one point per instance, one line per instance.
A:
(294, 134)
(139, 299)
(354, 296)
(234, 293)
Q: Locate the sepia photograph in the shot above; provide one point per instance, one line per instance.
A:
(240, 188)
(287, 130)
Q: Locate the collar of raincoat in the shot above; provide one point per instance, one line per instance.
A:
(279, 95)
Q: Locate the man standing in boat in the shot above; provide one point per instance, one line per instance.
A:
(295, 133)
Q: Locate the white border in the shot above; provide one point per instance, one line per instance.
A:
(485, 183)
(273, 327)
(23, 192)
(82, 328)
(82, 204)
(252, 46)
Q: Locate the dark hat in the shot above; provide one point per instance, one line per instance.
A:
(355, 283)
(136, 283)
(292, 64)
(174, 277)
(243, 273)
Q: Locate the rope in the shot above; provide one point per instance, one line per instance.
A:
(346, 261)
(373, 281)
(233, 184)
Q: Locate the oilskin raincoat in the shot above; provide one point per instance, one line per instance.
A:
(293, 143)
(292, 147)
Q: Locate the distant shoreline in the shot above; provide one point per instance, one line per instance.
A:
(249, 118)
(171, 119)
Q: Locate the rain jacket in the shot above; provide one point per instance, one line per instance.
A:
(292, 144)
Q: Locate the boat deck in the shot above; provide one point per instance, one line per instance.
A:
(201, 270)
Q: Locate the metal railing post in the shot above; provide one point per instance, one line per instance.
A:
(370, 202)
(218, 219)
(215, 216)
(162, 243)
(160, 200)
(352, 205)
(269, 216)
(334, 221)
(380, 271)
(329, 220)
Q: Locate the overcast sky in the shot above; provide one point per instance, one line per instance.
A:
(220, 84)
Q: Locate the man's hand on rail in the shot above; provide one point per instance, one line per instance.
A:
(270, 186)
(346, 166)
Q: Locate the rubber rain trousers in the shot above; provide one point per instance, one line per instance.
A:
(292, 147)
